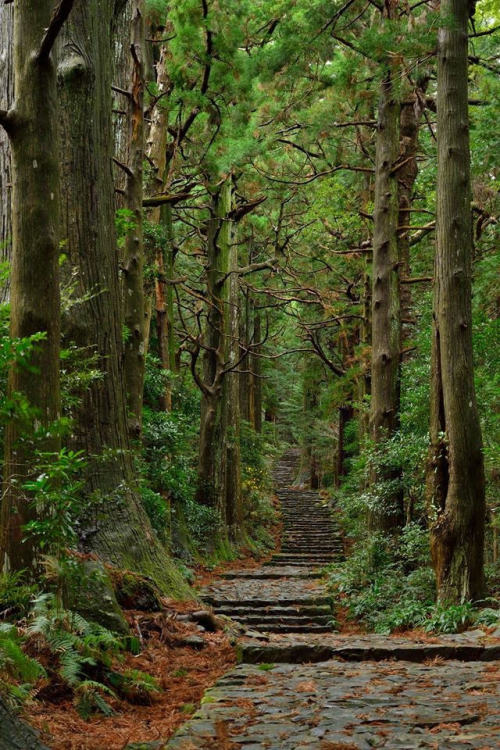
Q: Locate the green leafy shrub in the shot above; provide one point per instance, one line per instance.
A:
(450, 619)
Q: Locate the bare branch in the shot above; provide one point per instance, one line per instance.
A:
(416, 280)
(162, 199)
(123, 167)
(59, 16)
(240, 211)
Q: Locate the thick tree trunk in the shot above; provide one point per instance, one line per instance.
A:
(384, 413)
(6, 100)
(219, 457)
(133, 260)
(35, 305)
(164, 298)
(164, 252)
(115, 526)
(15, 734)
(409, 123)
(231, 457)
(456, 471)
(209, 468)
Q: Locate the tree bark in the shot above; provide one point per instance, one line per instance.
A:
(115, 526)
(256, 364)
(35, 304)
(15, 734)
(218, 256)
(384, 412)
(219, 457)
(455, 479)
(6, 100)
(133, 261)
(164, 251)
(346, 413)
(231, 457)
(409, 123)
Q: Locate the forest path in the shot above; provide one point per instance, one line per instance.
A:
(300, 685)
(285, 595)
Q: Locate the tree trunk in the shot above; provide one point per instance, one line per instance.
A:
(162, 215)
(409, 123)
(231, 397)
(35, 305)
(210, 468)
(456, 471)
(6, 100)
(256, 365)
(246, 394)
(384, 413)
(133, 261)
(164, 297)
(219, 458)
(15, 734)
(115, 526)
(345, 415)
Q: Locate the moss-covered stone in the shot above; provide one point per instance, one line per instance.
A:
(136, 592)
(94, 597)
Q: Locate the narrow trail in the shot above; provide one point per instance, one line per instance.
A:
(301, 685)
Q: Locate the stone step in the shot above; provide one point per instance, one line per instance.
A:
(374, 648)
(306, 557)
(295, 545)
(248, 609)
(216, 602)
(275, 571)
(309, 628)
(260, 622)
(297, 550)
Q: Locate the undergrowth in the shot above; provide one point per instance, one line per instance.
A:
(389, 586)
(55, 652)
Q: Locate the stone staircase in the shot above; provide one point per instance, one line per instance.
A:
(285, 595)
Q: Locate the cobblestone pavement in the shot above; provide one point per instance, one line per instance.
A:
(339, 706)
(303, 686)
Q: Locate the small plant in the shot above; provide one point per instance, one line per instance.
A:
(182, 672)
(55, 493)
(22, 671)
(450, 619)
(15, 595)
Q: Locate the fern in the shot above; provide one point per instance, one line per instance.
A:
(13, 660)
(88, 699)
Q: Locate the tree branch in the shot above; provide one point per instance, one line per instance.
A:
(59, 16)
(161, 200)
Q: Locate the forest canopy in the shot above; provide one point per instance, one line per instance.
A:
(228, 228)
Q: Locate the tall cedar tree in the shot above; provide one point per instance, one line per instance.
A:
(386, 308)
(115, 526)
(456, 471)
(35, 304)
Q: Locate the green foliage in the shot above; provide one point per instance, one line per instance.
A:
(388, 586)
(14, 663)
(15, 595)
(124, 224)
(56, 496)
(450, 619)
(83, 654)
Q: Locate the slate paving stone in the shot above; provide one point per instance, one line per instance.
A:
(384, 704)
